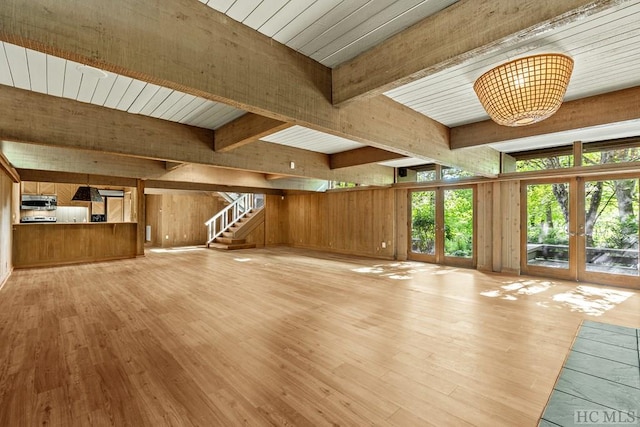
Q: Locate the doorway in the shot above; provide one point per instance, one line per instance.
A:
(442, 226)
(582, 229)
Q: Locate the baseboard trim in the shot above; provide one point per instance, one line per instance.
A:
(6, 278)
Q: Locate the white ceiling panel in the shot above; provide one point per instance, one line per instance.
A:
(17, 58)
(284, 16)
(312, 140)
(304, 19)
(329, 31)
(241, 9)
(31, 70)
(5, 71)
(145, 95)
(172, 99)
(328, 26)
(406, 162)
(87, 88)
(177, 106)
(604, 48)
(193, 111)
(55, 75)
(72, 80)
(591, 134)
(119, 88)
(263, 12)
(131, 94)
(37, 63)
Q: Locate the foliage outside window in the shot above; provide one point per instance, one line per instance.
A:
(545, 163)
(603, 157)
(458, 221)
(424, 176)
(423, 222)
(454, 173)
(341, 184)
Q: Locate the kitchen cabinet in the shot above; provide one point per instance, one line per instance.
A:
(30, 187)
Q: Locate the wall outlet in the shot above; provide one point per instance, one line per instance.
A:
(384, 245)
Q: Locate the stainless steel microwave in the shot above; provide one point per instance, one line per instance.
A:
(39, 202)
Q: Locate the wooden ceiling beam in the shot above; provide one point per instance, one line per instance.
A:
(612, 107)
(244, 130)
(187, 46)
(75, 178)
(65, 123)
(361, 156)
(9, 169)
(464, 30)
(46, 163)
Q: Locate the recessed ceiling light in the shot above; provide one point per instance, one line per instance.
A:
(92, 71)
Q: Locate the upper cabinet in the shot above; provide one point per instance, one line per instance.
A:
(30, 187)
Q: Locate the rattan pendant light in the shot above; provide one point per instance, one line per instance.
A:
(526, 90)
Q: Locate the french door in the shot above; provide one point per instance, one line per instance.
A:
(582, 229)
(442, 226)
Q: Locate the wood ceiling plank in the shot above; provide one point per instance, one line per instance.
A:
(456, 34)
(37, 70)
(5, 71)
(72, 80)
(72, 124)
(618, 106)
(55, 75)
(17, 59)
(241, 68)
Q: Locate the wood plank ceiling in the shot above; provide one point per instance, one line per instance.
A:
(603, 45)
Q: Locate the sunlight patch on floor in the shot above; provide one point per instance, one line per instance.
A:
(512, 290)
(591, 300)
(399, 270)
(177, 250)
(584, 299)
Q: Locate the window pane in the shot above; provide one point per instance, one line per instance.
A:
(547, 225)
(423, 222)
(546, 163)
(458, 222)
(611, 156)
(611, 226)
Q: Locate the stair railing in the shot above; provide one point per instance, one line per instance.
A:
(220, 222)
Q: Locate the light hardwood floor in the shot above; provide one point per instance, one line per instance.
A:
(286, 337)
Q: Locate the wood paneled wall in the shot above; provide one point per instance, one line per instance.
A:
(178, 219)
(6, 211)
(506, 227)
(350, 222)
(276, 220)
(357, 222)
(39, 245)
(484, 221)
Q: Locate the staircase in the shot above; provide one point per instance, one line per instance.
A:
(228, 229)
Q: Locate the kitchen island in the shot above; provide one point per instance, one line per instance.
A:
(49, 244)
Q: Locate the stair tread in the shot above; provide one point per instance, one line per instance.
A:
(222, 246)
(230, 240)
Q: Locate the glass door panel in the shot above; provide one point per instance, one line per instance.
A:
(548, 234)
(458, 223)
(610, 228)
(423, 223)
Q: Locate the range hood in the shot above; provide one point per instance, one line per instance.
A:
(87, 194)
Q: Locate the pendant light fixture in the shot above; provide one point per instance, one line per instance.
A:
(526, 90)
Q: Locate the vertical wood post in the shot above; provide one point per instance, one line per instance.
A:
(140, 217)
(577, 153)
